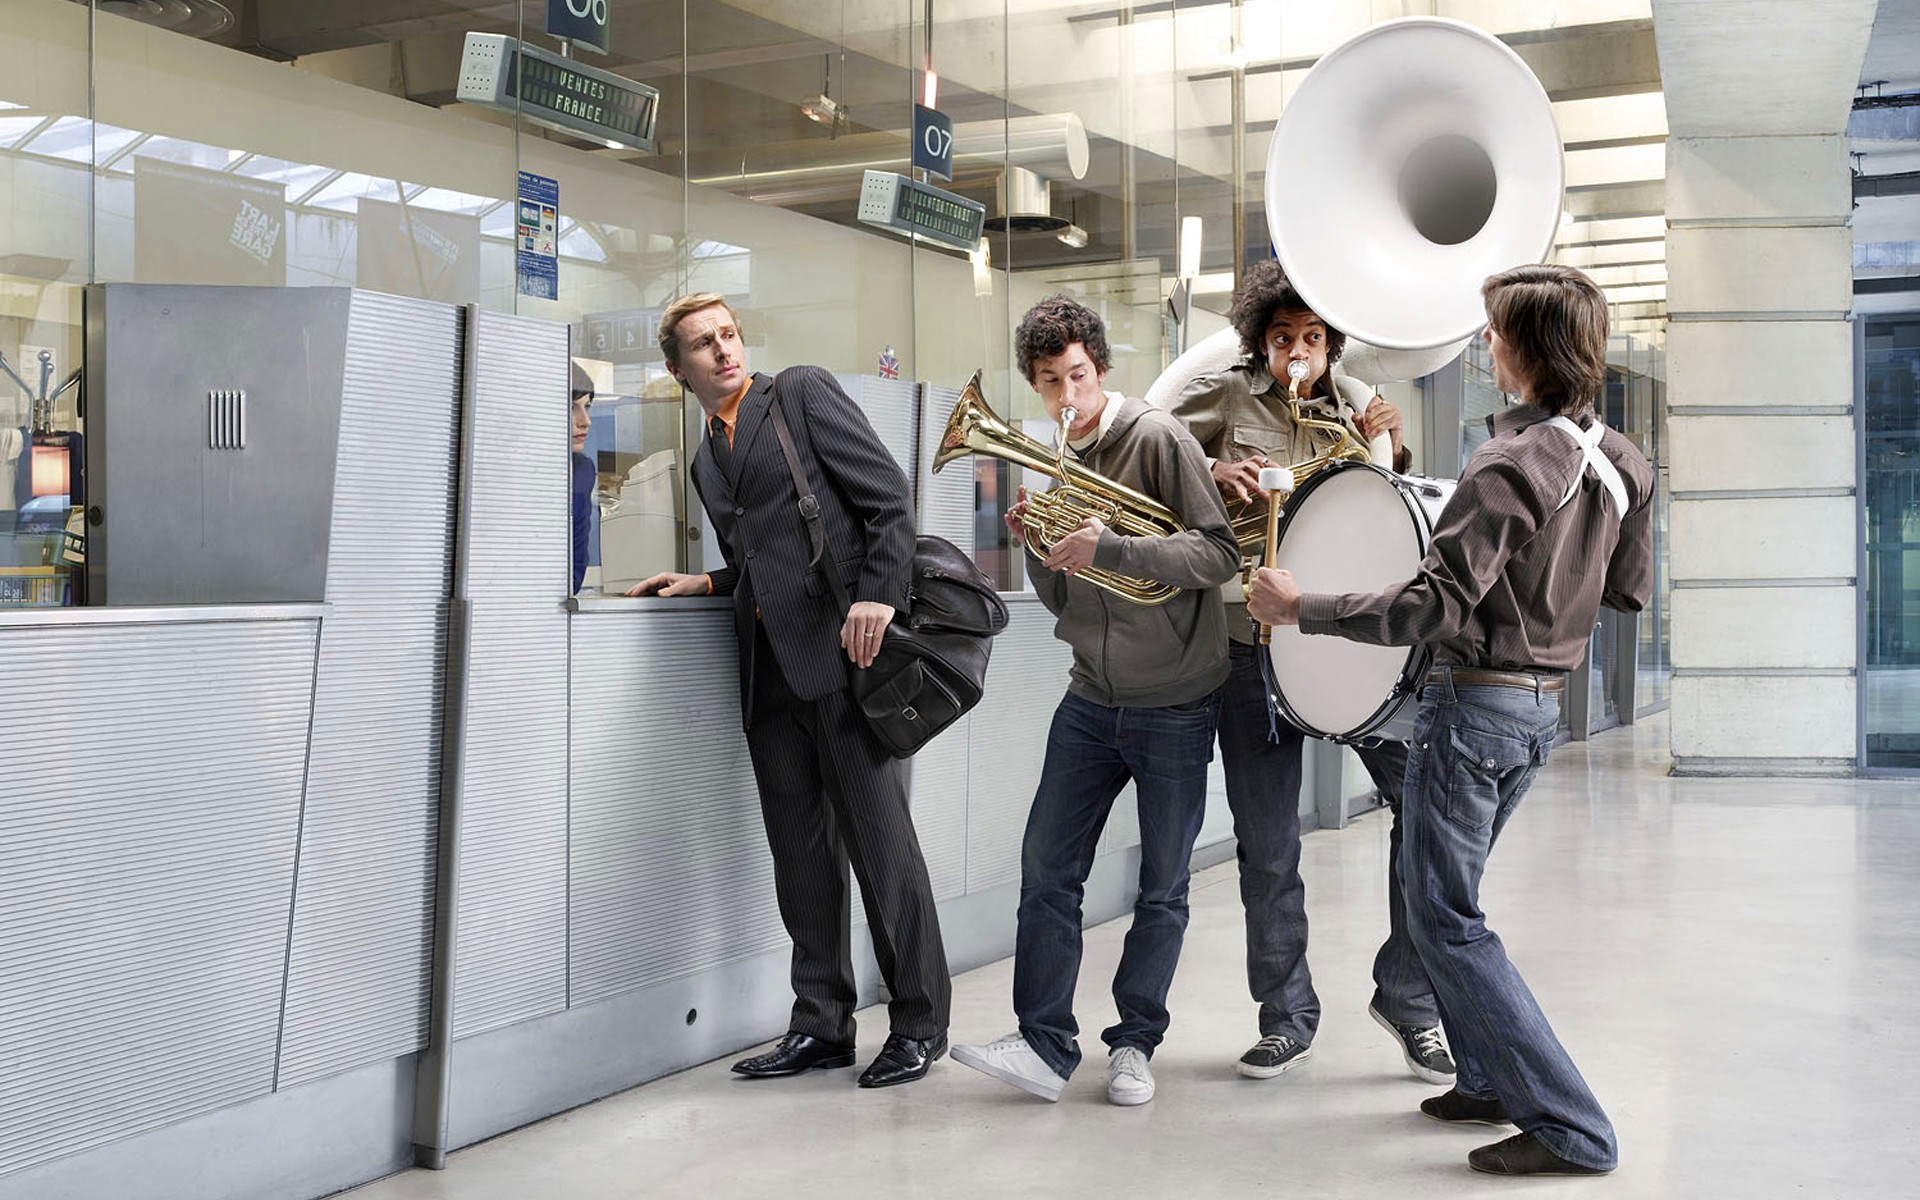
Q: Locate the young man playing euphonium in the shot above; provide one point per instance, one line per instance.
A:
(1140, 706)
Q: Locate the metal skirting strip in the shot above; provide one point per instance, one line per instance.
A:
(1819, 493)
(1765, 672)
(1809, 222)
(1722, 768)
(1825, 314)
(1761, 410)
(1834, 581)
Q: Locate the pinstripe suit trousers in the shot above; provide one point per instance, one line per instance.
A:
(832, 798)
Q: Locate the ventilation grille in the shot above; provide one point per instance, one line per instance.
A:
(227, 420)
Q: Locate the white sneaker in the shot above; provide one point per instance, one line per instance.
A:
(1011, 1060)
(1129, 1078)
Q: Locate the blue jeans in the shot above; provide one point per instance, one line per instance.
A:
(1092, 751)
(1263, 791)
(1474, 752)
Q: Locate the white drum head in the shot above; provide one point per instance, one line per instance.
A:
(1349, 530)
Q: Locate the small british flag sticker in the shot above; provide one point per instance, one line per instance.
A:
(889, 365)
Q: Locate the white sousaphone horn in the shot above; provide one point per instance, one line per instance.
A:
(1414, 160)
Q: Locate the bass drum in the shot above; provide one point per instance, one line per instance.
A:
(1352, 528)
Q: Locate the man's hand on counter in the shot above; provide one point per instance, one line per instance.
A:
(672, 583)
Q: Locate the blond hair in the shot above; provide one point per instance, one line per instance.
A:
(678, 311)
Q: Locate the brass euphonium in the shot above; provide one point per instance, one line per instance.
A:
(974, 428)
(1249, 519)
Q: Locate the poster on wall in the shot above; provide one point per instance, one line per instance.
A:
(192, 225)
(422, 252)
(536, 236)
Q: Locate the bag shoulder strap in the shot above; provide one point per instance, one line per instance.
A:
(809, 505)
(1593, 460)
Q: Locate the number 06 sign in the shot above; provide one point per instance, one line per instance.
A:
(933, 141)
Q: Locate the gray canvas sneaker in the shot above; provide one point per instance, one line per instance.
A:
(1274, 1054)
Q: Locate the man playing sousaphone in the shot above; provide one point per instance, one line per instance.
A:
(1242, 420)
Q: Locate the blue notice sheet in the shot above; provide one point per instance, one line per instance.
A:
(536, 237)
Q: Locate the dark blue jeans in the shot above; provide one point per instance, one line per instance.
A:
(1092, 751)
(1475, 750)
(1263, 791)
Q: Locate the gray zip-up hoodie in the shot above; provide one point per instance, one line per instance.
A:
(1128, 655)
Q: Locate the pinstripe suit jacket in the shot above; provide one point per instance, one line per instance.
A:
(866, 509)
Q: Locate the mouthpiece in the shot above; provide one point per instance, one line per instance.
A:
(1297, 371)
(1068, 416)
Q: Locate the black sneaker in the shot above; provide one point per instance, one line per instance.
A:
(1525, 1154)
(1274, 1054)
(1425, 1053)
(1455, 1109)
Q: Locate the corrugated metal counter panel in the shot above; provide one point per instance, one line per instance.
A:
(151, 797)
(891, 404)
(670, 870)
(938, 792)
(940, 770)
(1025, 680)
(511, 956)
(362, 925)
(946, 499)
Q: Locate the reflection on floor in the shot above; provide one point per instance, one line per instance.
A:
(1729, 960)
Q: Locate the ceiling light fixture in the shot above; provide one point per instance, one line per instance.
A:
(1073, 236)
(822, 108)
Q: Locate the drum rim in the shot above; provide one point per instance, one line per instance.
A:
(1405, 691)
(1418, 657)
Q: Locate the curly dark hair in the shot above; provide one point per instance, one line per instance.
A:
(1264, 291)
(1056, 323)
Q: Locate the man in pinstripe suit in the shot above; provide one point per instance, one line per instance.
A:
(830, 794)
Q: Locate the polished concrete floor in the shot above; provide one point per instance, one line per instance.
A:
(1730, 961)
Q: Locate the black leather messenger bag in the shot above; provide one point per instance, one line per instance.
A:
(932, 663)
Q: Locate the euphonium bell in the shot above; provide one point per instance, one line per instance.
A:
(974, 428)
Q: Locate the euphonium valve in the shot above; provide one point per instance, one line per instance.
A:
(974, 428)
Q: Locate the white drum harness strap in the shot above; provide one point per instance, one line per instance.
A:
(1592, 460)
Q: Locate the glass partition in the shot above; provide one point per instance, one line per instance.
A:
(1890, 515)
(306, 145)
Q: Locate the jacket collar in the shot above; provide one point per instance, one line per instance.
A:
(1516, 417)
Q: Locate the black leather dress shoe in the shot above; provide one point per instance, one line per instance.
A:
(1455, 1109)
(1525, 1154)
(796, 1052)
(903, 1060)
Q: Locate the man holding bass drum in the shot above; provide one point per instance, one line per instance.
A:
(1551, 519)
(1243, 421)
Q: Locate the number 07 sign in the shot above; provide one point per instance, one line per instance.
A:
(933, 141)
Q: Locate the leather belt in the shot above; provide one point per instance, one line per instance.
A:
(1482, 677)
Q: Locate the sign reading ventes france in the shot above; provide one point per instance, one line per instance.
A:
(583, 22)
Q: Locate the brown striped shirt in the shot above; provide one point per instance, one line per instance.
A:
(1512, 580)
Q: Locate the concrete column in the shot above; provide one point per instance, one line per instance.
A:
(1760, 373)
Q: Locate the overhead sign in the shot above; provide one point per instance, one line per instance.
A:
(920, 210)
(505, 73)
(582, 22)
(933, 141)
